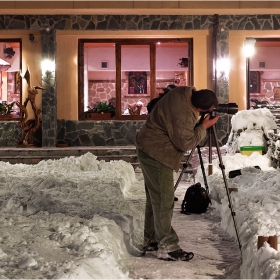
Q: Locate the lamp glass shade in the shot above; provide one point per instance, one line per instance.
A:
(249, 47)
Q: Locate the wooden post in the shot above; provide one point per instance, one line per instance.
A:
(232, 190)
(271, 240)
(261, 240)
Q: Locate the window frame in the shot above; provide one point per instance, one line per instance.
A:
(15, 40)
(152, 42)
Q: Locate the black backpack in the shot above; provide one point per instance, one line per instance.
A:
(196, 200)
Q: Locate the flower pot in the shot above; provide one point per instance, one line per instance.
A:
(61, 144)
(98, 116)
(8, 117)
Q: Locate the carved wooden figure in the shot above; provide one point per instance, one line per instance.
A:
(28, 126)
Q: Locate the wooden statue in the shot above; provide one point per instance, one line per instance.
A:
(29, 126)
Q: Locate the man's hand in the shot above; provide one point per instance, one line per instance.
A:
(207, 122)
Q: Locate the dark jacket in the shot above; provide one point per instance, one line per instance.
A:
(170, 129)
(153, 103)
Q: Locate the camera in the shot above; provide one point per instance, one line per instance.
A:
(227, 108)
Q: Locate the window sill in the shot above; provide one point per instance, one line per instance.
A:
(122, 117)
(8, 118)
(137, 95)
(97, 116)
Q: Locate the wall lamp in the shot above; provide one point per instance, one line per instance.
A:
(223, 67)
(248, 50)
(249, 47)
(47, 65)
(32, 38)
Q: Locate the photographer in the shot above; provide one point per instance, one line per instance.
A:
(154, 101)
(170, 130)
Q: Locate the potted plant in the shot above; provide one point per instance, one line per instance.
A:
(107, 111)
(6, 110)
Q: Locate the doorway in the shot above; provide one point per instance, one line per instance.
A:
(263, 73)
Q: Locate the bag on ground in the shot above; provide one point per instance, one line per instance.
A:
(196, 200)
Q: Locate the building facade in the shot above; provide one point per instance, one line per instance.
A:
(57, 29)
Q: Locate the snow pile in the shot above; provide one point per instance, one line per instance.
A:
(249, 128)
(79, 216)
(274, 147)
(257, 208)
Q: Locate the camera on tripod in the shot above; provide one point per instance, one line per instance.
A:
(227, 108)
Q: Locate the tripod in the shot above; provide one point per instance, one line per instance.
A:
(211, 131)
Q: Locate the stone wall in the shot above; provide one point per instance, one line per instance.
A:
(91, 133)
(98, 133)
(268, 91)
(10, 132)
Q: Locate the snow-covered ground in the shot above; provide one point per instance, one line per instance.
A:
(80, 218)
(69, 218)
(256, 206)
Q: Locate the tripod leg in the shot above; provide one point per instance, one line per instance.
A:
(210, 165)
(185, 165)
(202, 169)
(226, 185)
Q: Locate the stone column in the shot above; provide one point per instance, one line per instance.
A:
(49, 97)
(222, 81)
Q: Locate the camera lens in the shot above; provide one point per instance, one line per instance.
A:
(227, 108)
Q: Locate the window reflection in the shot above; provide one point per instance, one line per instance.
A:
(135, 76)
(10, 63)
(130, 72)
(99, 74)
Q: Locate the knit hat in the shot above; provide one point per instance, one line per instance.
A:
(168, 88)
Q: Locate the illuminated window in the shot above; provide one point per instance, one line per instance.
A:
(10, 79)
(128, 73)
